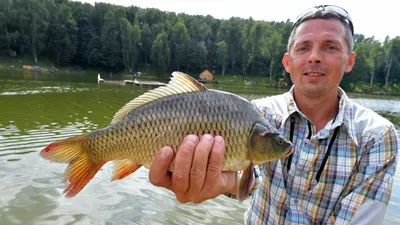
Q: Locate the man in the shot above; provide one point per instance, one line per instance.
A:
(345, 155)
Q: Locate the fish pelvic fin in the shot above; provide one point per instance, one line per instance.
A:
(80, 169)
(180, 83)
(245, 183)
(123, 168)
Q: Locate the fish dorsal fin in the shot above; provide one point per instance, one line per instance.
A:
(180, 83)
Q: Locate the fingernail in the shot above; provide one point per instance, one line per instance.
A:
(219, 139)
(165, 152)
(207, 137)
(191, 138)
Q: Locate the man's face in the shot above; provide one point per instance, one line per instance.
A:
(318, 57)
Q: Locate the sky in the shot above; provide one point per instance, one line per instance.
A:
(370, 18)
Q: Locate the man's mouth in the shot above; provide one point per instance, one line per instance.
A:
(313, 74)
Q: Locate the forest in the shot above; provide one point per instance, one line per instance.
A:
(127, 39)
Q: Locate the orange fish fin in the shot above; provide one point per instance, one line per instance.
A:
(180, 83)
(79, 173)
(123, 168)
(245, 183)
(80, 169)
(64, 151)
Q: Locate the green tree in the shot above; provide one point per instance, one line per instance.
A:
(178, 36)
(255, 40)
(62, 34)
(126, 29)
(95, 55)
(110, 38)
(82, 14)
(34, 21)
(222, 55)
(392, 57)
(230, 32)
(134, 40)
(146, 43)
(4, 9)
(160, 51)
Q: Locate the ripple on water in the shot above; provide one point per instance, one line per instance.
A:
(42, 90)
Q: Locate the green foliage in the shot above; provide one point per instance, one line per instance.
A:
(222, 55)
(160, 51)
(178, 36)
(117, 38)
(110, 39)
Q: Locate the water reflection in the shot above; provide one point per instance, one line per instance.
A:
(45, 108)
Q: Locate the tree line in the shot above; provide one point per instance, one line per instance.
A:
(117, 38)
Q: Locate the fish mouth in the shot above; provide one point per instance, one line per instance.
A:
(289, 152)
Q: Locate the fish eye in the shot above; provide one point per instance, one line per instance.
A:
(279, 139)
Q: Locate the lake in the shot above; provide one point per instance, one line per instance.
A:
(36, 109)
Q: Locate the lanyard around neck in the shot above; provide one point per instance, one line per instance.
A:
(328, 150)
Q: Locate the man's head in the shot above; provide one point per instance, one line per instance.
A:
(326, 12)
(320, 51)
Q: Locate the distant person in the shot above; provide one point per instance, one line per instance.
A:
(345, 157)
(136, 76)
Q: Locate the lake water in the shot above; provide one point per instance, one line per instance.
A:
(36, 109)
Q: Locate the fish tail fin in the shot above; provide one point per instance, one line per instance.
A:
(80, 169)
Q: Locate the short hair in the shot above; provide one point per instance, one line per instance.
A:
(320, 14)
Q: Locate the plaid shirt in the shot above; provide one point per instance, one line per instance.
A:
(360, 166)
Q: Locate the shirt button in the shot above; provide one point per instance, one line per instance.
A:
(296, 201)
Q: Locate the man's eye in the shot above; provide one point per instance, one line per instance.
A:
(331, 47)
(301, 49)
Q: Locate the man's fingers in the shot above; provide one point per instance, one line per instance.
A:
(215, 163)
(199, 164)
(196, 175)
(158, 173)
(182, 165)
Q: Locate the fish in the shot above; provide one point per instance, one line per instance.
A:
(163, 117)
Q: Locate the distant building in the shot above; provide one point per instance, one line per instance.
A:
(206, 75)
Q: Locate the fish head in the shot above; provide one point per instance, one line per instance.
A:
(266, 143)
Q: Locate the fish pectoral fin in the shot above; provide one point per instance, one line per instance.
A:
(245, 183)
(123, 168)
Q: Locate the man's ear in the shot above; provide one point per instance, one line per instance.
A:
(350, 62)
(285, 62)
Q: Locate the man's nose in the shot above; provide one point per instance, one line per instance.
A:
(315, 56)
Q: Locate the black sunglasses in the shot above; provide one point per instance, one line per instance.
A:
(342, 13)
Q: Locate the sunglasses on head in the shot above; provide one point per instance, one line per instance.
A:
(342, 13)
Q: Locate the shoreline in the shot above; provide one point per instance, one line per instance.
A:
(17, 64)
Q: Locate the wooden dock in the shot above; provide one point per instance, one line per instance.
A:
(143, 83)
(134, 82)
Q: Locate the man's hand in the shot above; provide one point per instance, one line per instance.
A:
(197, 174)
